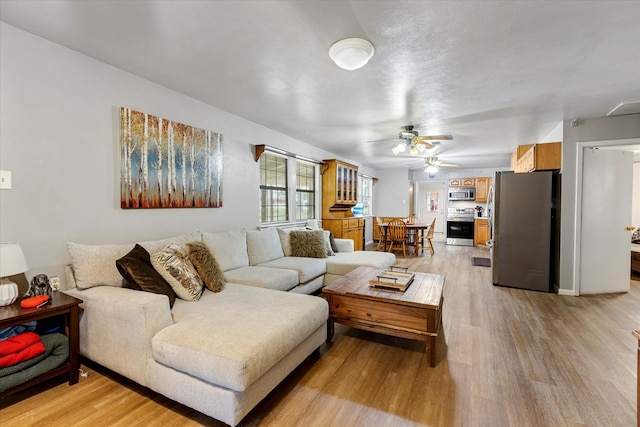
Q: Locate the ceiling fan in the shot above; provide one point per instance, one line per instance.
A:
(433, 165)
(409, 138)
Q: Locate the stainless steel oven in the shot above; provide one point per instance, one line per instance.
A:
(460, 226)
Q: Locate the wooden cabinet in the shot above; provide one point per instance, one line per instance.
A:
(339, 195)
(462, 182)
(339, 186)
(547, 156)
(482, 188)
(481, 233)
(347, 228)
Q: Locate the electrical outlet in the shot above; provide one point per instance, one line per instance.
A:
(55, 283)
(5, 180)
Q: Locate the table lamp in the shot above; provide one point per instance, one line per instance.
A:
(12, 262)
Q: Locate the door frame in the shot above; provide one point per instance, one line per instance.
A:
(421, 185)
(577, 231)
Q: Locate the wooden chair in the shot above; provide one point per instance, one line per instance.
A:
(411, 233)
(428, 238)
(397, 235)
(382, 240)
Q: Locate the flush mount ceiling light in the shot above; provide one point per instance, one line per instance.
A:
(351, 54)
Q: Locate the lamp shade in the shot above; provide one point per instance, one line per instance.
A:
(12, 260)
(351, 54)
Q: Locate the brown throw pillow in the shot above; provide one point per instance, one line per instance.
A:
(140, 275)
(206, 266)
(305, 243)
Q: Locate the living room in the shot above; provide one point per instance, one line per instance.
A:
(59, 138)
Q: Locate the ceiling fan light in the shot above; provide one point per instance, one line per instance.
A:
(400, 148)
(351, 54)
(431, 169)
(414, 150)
(421, 147)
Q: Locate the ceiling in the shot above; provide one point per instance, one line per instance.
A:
(493, 74)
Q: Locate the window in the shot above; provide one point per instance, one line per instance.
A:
(278, 186)
(273, 188)
(305, 190)
(365, 194)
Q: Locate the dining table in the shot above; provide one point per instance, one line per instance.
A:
(419, 229)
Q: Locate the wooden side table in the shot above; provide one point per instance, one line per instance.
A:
(61, 304)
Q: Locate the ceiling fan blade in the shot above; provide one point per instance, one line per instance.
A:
(426, 144)
(434, 137)
(396, 140)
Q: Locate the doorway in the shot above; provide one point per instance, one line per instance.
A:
(430, 205)
(593, 228)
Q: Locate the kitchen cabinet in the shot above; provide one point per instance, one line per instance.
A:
(481, 233)
(547, 156)
(462, 182)
(482, 188)
(347, 228)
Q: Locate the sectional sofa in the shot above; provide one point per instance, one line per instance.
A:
(224, 352)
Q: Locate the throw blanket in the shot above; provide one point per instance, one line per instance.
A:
(20, 347)
(55, 355)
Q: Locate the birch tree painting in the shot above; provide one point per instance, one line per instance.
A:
(165, 164)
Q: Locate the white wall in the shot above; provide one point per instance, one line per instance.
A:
(635, 201)
(391, 193)
(59, 138)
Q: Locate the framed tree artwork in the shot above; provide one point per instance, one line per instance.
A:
(166, 164)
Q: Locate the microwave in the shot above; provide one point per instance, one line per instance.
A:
(462, 193)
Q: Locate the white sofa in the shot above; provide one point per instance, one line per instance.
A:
(225, 352)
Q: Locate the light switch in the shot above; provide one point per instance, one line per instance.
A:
(5, 180)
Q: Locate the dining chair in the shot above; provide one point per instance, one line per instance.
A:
(428, 237)
(411, 233)
(397, 235)
(382, 238)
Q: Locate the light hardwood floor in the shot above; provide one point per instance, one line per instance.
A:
(506, 358)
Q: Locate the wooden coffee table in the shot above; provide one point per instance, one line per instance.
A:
(415, 313)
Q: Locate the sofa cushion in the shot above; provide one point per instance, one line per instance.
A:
(264, 277)
(308, 243)
(135, 267)
(263, 246)
(285, 238)
(223, 338)
(174, 266)
(345, 262)
(95, 265)
(307, 268)
(228, 248)
(206, 265)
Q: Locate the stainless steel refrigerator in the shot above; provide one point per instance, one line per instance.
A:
(524, 230)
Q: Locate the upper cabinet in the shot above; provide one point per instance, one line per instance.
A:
(482, 188)
(462, 182)
(339, 188)
(529, 158)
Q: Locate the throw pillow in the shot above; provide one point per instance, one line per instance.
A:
(140, 275)
(305, 243)
(174, 266)
(327, 242)
(206, 266)
(332, 241)
(635, 237)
